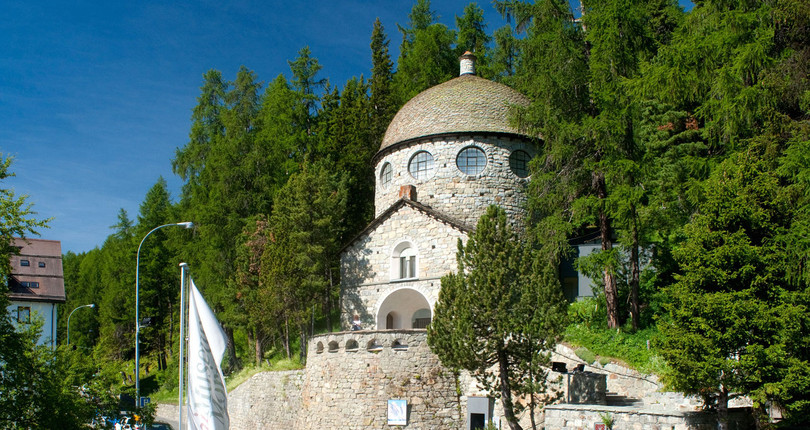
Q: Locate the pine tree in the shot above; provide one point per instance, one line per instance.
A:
(426, 57)
(383, 103)
(500, 315)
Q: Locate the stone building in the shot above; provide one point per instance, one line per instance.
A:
(447, 155)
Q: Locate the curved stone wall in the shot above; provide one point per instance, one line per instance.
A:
(350, 377)
(450, 191)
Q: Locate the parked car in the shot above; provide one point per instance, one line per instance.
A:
(160, 426)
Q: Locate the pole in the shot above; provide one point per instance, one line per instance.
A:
(91, 305)
(186, 224)
(183, 275)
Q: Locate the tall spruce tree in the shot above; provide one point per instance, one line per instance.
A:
(383, 102)
(426, 55)
(500, 315)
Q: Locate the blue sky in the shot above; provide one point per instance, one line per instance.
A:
(96, 96)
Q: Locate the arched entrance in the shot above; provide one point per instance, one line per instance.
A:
(405, 308)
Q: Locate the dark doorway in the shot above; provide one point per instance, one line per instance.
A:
(477, 421)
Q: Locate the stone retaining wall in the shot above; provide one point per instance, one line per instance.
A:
(349, 381)
(581, 417)
(268, 400)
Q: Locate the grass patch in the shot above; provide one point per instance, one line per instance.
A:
(630, 348)
(588, 331)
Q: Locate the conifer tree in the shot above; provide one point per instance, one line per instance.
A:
(383, 103)
(426, 57)
(499, 311)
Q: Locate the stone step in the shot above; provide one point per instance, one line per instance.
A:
(613, 399)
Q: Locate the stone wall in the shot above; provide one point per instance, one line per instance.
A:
(581, 417)
(452, 192)
(366, 265)
(268, 400)
(351, 376)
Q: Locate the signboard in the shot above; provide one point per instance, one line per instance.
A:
(397, 412)
(145, 400)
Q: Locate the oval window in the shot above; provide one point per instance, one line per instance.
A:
(519, 163)
(421, 165)
(471, 161)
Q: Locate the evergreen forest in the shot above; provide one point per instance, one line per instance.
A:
(680, 140)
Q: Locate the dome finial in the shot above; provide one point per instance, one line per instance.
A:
(467, 63)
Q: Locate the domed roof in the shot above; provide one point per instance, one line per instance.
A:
(465, 104)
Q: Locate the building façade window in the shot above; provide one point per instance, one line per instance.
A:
(386, 175)
(23, 314)
(41, 264)
(421, 165)
(471, 161)
(25, 263)
(519, 163)
(403, 262)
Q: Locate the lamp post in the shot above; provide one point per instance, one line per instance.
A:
(91, 305)
(186, 224)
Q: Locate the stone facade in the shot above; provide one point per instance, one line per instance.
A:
(267, 400)
(351, 376)
(450, 191)
(582, 417)
(367, 264)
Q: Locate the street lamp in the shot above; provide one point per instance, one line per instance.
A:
(186, 224)
(91, 305)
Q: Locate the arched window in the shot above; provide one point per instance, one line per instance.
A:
(403, 261)
(386, 175)
(519, 163)
(421, 165)
(471, 161)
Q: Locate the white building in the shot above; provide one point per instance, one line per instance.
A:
(37, 285)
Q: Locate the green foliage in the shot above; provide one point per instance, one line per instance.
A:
(426, 57)
(585, 355)
(500, 310)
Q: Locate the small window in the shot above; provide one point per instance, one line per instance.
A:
(41, 264)
(407, 263)
(386, 175)
(23, 314)
(319, 348)
(25, 263)
(351, 345)
(28, 284)
(333, 346)
(471, 161)
(519, 163)
(421, 165)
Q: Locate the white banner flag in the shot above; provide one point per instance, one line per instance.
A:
(207, 398)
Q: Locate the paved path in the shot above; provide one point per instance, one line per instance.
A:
(168, 413)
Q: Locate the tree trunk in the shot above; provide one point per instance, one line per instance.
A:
(722, 409)
(233, 362)
(611, 292)
(506, 392)
(285, 338)
(259, 350)
(635, 274)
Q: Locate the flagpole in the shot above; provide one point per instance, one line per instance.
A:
(183, 276)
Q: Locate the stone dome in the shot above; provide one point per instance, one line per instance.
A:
(466, 104)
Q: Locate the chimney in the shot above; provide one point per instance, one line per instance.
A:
(407, 192)
(467, 64)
